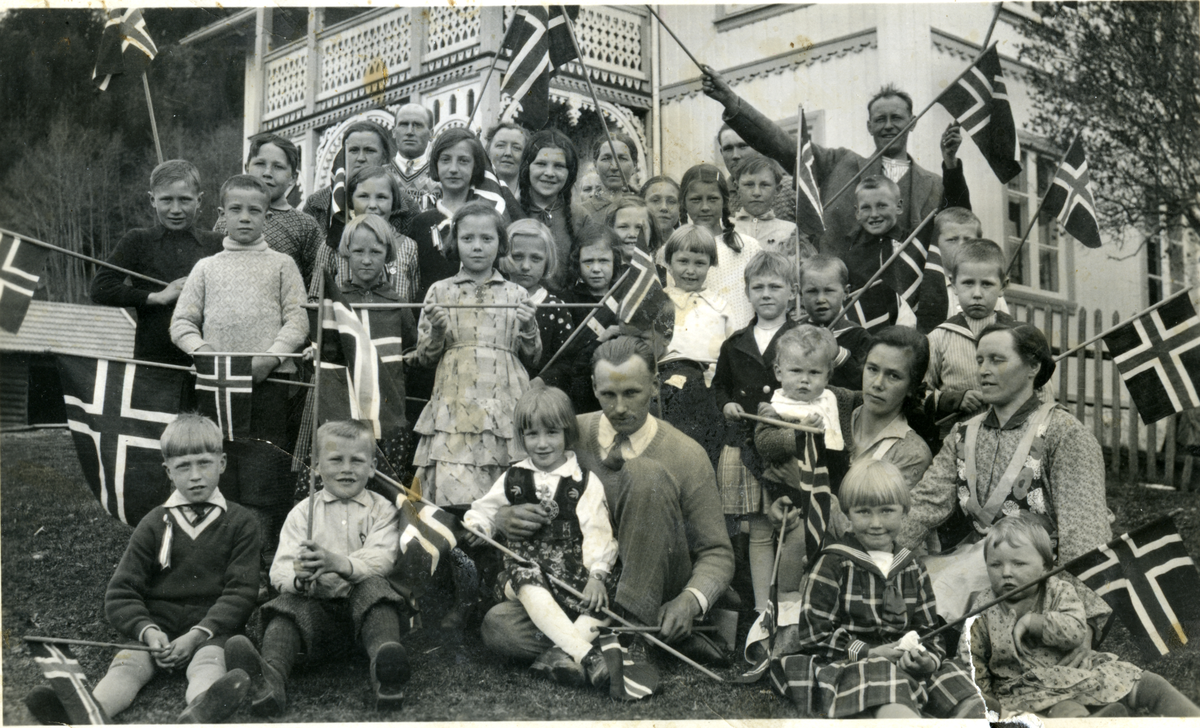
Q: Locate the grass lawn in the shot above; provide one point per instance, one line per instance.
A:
(59, 549)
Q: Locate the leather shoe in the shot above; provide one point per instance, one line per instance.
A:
(220, 701)
(46, 707)
(596, 668)
(268, 696)
(703, 650)
(557, 665)
(390, 670)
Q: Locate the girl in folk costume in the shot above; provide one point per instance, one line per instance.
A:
(577, 546)
(546, 178)
(1022, 647)
(852, 652)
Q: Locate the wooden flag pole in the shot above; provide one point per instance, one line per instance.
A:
(160, 365)
(81, 256)
(1033, 221)
(587, 76)
(796, 201)
(582, 325)
(87, 643)
(678, 42)
(987, 37)
(879, 273)
(1126, 322)
(153, 123)
(392, 306)
(560, 583)
(316, 407)
(783, 423)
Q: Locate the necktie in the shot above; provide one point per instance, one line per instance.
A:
(409, 171)
(615, 460)
(199, 512)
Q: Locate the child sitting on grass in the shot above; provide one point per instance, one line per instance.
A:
(184, 586)
(577, 545)
(824, 282)
(847, 655)
(1018, 646)
(333, 590)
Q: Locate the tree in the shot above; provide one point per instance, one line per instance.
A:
(1125, 75)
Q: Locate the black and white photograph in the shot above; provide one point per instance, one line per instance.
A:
(674, 362)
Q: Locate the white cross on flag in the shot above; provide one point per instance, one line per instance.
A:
(1070, 197)
(223, 388)
(979, 101)
(1158, 355)
(124, 29)
(69, 682)
(116, 412)
(21, 265)
(1151, 583)
(809, 217)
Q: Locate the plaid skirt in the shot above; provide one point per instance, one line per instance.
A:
(332, 627)
(741, 493)
(846, 688)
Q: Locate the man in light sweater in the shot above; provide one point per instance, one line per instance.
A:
(676, 560)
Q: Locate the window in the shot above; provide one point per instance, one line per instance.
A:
(1040, 265)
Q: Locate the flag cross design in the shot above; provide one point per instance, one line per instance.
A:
(532, 57)
(19, 275)
(69, 682)
(979, 101)
(362, 360)
(230, 383)
(539, 43)
(1070, 197)
(809, 215)
(1151, 582)
(1159, 359)
(426, 527)
(628, 679)
(124, 29)
(116, 413)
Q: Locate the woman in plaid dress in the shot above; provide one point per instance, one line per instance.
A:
(851, 653)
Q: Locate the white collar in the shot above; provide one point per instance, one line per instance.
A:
(419, 163)
(569, 469)
(216, 499)
(541, 295)
(638, 441)
(363, 498)
(234, 246)
(680, 296)
(742, 214)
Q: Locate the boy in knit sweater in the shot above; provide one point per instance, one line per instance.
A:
(249, 298)
(185, 585)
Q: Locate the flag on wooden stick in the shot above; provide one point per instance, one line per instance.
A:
(809, 217)
(124, 30)
(1151, 583)
(69, 683)
(538, 43)
(1070, 197)
(21, 265)
(1158, 355)
(224, 385)
(979, 101)
(628, 679)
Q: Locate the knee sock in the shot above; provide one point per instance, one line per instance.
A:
(129, 672)
(1159, 697)
(207, 666)
(792, 562)
(380, 625)
(588, 626)
(280, 645)
(762, 558)
(548, 617)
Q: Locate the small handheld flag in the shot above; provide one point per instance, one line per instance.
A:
(539, 44)
(628, 679)
(69, 682)
(224, 385)
(979, 101)
(125, 29)
(21, 267)
(1158, 355)
(809, 217)
(1151, 583)
(1070, 197)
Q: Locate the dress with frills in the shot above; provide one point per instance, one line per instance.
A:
(466, 429)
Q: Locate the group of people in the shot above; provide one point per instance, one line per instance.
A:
(625, 475)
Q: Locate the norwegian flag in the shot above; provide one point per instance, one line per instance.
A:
(538, 43)
(116, 413)
(1158, 358)
(812, 494)
(337, 203)
(19, 275)
(809, 217)
(628, 679)
(1070, 197)
(1151, 583)
(69, 682)
(124, 29)
(426, 535)
(223, 387)
(979, 101)
(871, 311)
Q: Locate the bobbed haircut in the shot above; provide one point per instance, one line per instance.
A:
(346, 430)
(376, 171)
(890, 91)
(477, 209)
(877, 182)
(980, 250)
(756, 164)
(621, 349)
(956, 216)
(386, 140)
(660, 179)
(378, 227)
(770, 263)
(1030, 344)
(1024, 528)
(290, 151)
(531, 228)
(650, 241)
(807, 339)
(175, 170)
(549, 408)
(689, 238)
(244, 182)
(870, 483)
(711, 174)
(595, 232)
(457, 135)
(825, 263)
(617, 137)
(496, 129)
(190, 434)
(915, 343)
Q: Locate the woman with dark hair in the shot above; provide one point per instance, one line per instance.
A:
(546, 178)
(616, 166)
(1018, 454)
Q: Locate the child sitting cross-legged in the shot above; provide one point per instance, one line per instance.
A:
(848, 650)
(576, 545)
(1018, 646)
(332, 587)
(184, 586)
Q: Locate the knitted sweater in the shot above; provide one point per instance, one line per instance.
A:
(291, 232)
(245, 298)
(700, 501)
(212, 581)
